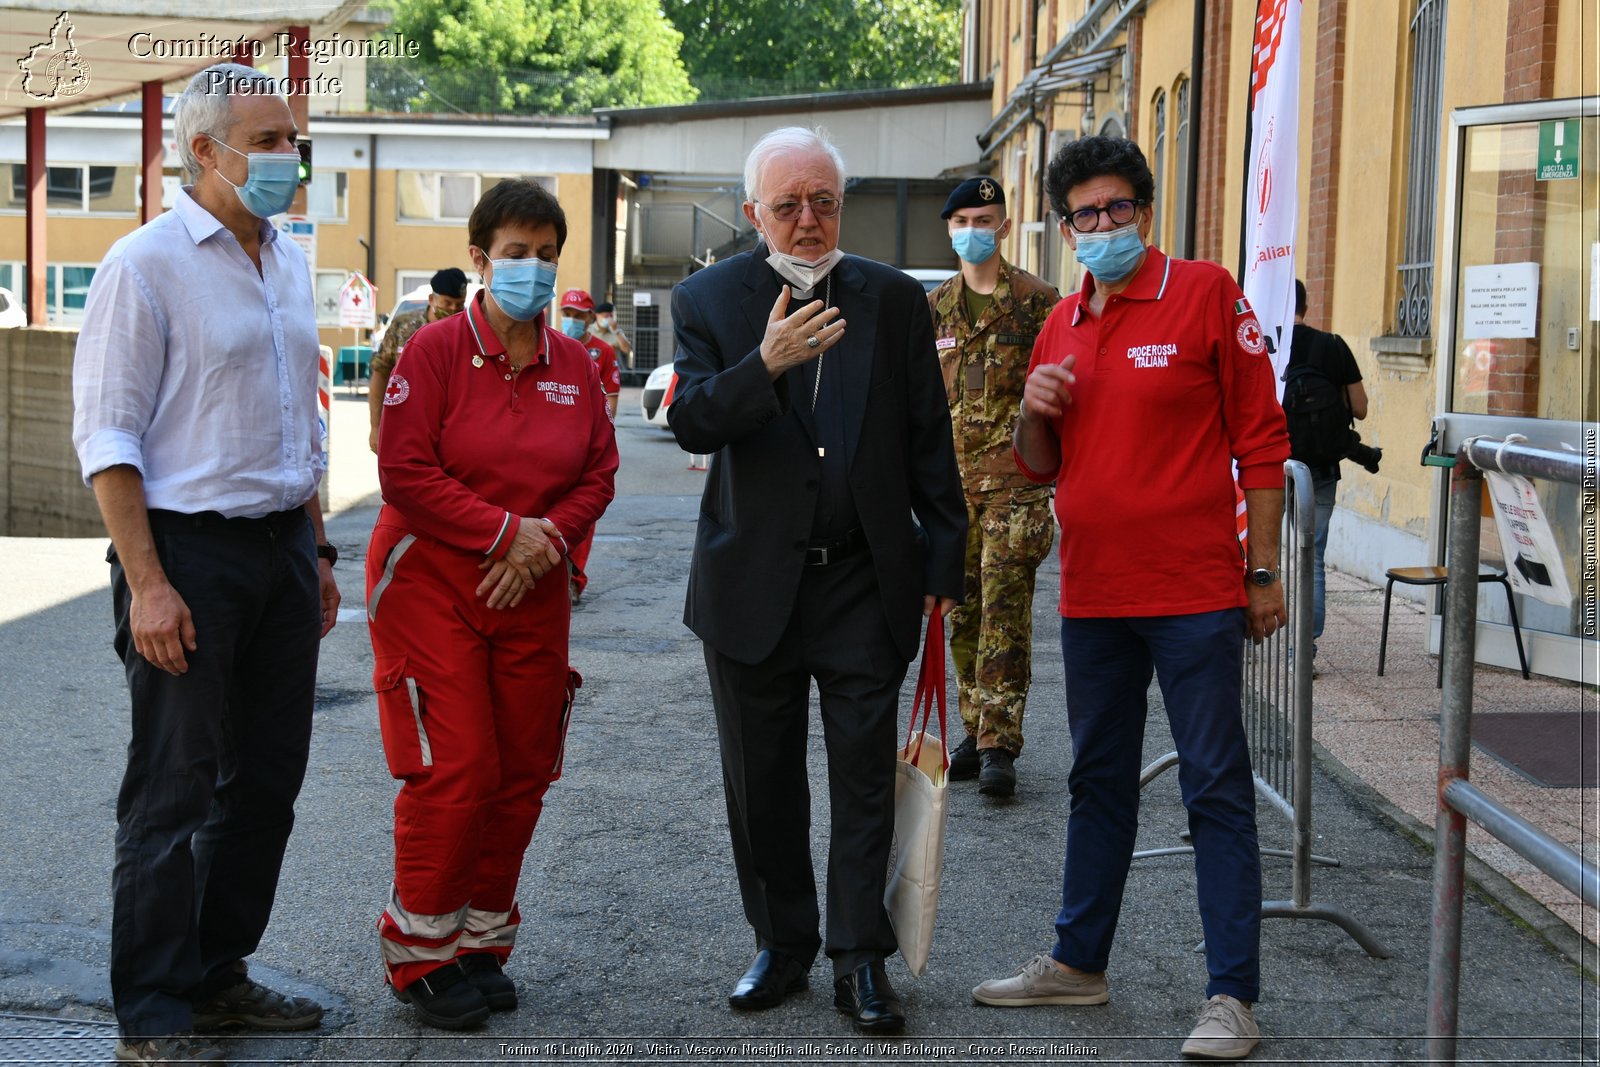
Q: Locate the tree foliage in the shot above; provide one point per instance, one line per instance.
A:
(532, 57)
(744, 48)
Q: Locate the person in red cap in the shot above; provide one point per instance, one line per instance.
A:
(577, 322)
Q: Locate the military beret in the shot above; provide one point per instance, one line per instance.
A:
(452, 282)
(974, 192)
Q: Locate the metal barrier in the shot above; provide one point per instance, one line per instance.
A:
(1458, 799)
(1277, 718)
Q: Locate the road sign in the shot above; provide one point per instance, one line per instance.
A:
(357, 301)
(303, 232)
(1558, 149)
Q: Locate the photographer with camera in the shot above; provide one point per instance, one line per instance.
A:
(1322, 393)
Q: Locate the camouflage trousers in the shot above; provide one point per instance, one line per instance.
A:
(991, 633)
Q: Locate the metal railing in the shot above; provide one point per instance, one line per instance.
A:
(1277, 719)
(1459, 800)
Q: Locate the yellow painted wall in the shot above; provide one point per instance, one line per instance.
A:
(1165, 57)
(1372, 164)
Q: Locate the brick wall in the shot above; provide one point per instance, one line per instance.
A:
(1520, 202)
(1327, 111)
(1212, 114)
(44, 494)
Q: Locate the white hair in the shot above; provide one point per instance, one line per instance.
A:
(788, 139)
(206, 107)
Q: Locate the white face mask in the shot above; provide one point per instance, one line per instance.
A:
(802, 273)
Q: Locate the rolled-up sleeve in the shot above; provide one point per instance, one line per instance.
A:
(116, 369)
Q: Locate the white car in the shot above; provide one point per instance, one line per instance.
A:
(415, 300)
(657, 395)
(12, 312)
(931, 279)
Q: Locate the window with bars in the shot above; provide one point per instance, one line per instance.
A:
(1158, 158)
(1414, 308)
(1180, 172)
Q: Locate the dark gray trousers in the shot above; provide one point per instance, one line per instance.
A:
(215, 760)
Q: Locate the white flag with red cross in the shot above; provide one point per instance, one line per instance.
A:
(1272, 180)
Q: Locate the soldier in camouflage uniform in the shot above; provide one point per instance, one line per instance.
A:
(985, 319)
(448, 297)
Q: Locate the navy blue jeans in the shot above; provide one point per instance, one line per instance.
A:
(215, 760)
(1198, 660)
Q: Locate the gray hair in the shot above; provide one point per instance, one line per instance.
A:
(206, 106)
(788, 139)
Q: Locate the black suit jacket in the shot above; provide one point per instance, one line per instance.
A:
(761, 490)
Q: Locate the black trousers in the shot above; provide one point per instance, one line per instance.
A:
(216, 759)
(838, 636)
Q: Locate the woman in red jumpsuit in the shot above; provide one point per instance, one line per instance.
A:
(495, 454)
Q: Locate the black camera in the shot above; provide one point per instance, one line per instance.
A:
(1364, 455)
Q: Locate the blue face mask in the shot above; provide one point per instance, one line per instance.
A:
(574, 328)
(972, 244)
(1111, 256)
(272, 180)
(522, 287)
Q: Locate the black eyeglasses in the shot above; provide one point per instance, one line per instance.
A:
(1087, 219)
(823, 207)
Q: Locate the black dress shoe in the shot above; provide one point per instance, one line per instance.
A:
(871, 1002)
(484, 972)
(772, 976)
(998, 778)
(964, 760)
(445, 998)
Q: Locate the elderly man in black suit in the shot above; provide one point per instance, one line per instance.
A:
(832, 521)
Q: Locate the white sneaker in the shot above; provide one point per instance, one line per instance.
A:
(1040, 981)
(1226, 1031)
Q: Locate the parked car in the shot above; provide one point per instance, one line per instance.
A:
(415, 300)
(931, 279)
(11, 310)
(657, 395)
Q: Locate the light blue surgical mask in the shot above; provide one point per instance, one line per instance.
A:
(574, 328)
(522, 287)
(271, 182)
(972, 244)
(1112, 255)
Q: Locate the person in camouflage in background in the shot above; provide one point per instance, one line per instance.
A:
(985, 320)
(448, 297)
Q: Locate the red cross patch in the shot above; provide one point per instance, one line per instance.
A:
(396, 392)
(1249, 334)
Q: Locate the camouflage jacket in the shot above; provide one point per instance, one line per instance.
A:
(394, 339)
(985, 367)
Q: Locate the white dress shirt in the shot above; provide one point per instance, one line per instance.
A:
(199, 371)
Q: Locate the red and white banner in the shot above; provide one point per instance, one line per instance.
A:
(1272, 180)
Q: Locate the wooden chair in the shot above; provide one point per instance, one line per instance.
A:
(1441, 576)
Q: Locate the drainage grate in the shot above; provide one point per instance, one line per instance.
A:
(31, 1039)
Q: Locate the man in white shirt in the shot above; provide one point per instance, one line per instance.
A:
(195, 386)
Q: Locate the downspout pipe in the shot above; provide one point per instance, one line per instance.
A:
(1197, 58)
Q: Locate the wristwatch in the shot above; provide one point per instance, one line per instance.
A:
(329, 553)
(1261, 576)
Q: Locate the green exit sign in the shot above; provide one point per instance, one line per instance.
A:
(1558, 149)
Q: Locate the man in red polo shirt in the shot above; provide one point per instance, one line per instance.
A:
(1145, 388)
(577, 322)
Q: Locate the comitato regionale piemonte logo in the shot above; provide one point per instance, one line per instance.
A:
(54, 69)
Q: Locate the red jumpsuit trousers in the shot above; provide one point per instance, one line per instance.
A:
(473, 705)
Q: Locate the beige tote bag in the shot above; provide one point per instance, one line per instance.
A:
(921, 785)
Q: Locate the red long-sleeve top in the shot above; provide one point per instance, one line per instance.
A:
(1172, 383)
(467, 449)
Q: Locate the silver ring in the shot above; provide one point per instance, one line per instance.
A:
(813, 341)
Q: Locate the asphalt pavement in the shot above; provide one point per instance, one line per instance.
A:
(632, 930)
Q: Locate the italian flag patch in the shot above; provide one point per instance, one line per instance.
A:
(1241, 307)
